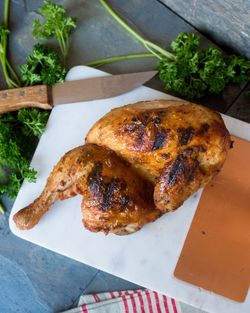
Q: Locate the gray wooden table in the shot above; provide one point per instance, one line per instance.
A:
(33, 279)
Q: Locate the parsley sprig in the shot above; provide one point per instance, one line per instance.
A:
(55, 24)
(33, 121)
(10, 76)
(13, 155)
(187, 70)
(19, 130)
(195, 72)
(42, 66)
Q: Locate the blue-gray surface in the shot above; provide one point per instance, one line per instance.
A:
(33, 279)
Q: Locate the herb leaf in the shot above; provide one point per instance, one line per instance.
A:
(42, 67)
(33, 120)
(238, 69)
(194, 73)
(12, 156)
(56, 24)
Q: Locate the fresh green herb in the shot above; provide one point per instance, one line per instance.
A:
(33, 120)
(56, 24)
(187, 70)
(2, 208)
(10, 76)
(195, 73)
(12, 159)
(12, 155)
(102, 62)
(156, 50)
(238, 69)
(42, 67)
(19, 130)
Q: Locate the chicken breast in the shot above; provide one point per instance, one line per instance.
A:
(176, 145)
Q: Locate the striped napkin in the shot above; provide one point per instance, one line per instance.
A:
(130, 301)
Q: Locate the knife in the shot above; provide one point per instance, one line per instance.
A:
(46, 97)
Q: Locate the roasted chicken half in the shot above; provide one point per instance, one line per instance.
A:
(139, 161)
(115, 198)
(178, 146)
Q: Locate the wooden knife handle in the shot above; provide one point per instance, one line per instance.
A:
(18, 98)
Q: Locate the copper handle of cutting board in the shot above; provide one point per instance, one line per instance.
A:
(19, 98)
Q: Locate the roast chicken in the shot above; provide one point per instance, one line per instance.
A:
(139, 161)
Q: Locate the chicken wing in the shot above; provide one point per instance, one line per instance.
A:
(115, 198)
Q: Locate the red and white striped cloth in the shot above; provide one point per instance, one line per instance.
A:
(130, 301)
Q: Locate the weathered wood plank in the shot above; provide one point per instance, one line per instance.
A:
(227, 22)
(241, 107)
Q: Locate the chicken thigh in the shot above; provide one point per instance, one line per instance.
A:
(115, 198)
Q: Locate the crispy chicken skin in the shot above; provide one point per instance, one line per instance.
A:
(139, 161)
(115, 198)
(178, 146)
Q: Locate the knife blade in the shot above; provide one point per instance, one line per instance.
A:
(45, 97)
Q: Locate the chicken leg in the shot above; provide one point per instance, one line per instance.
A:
(115, 198)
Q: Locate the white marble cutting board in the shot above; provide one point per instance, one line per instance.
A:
(148, 257)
